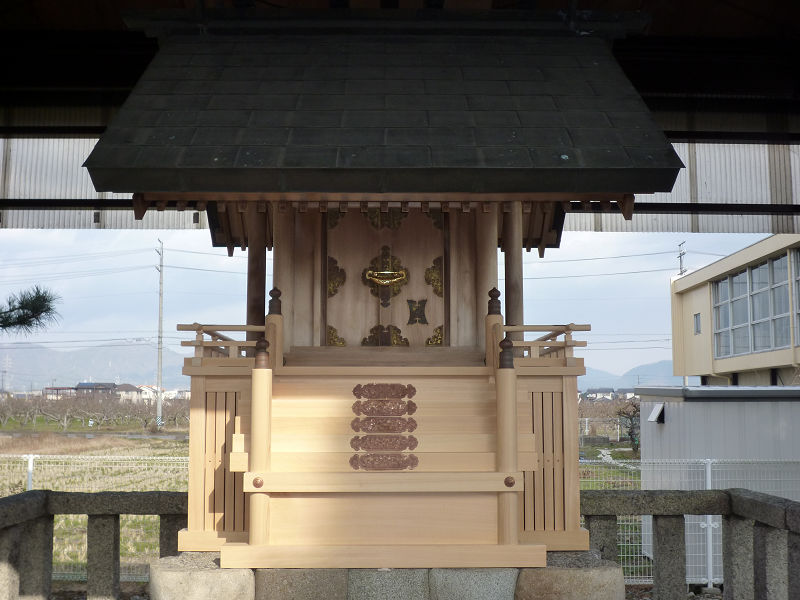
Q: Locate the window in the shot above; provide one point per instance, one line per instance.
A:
(696, 323)
(751, 309)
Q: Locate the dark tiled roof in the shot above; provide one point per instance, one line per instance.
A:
(392, 113)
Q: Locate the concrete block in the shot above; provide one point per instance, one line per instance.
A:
(394, 584)
(473, 584)
(564, 583)
(669, 555)
(197, 576)
(603, 535)
(169, 526)
(737, 548)
(301, 584)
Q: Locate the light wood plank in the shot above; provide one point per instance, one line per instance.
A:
(571, 467)
(375, 557)
(557, 541)
(558, 463)
(547, 456)
(209, 482)
(219, 462)
(207, 541)
(400, 482)
(477, 442)
(197, 425)
(538, 478)
(230, 506)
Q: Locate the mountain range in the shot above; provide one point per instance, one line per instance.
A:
(651, 374)
(35, 367)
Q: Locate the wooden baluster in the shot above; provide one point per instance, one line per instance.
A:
(274, 323)
(260, 433)
(507, 502)
(494, 320)
(199, 351)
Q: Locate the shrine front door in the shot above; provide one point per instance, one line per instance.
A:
(385, 278)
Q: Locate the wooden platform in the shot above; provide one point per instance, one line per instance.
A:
(377, 557)
(328, 356)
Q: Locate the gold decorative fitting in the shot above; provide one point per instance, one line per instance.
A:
(333, 337)
(433, 276)
(416, 312)
(336, 276)
(391, 219)
(383, 425)
(383, 462)
(384, 276)
(437, 339)
(380, 391)
(384, 408)
(385, 336)
(384, 443)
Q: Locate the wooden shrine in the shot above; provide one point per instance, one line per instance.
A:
(394, 421)
(394, 417)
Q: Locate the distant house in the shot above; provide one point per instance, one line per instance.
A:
(128, 393)
(90, 388)
(595, 394)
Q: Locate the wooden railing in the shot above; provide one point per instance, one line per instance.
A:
(553, 348)
(210, 342)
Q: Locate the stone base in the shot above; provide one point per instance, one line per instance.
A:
(568, 576)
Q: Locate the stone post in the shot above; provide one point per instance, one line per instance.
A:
(770, 553)
(737, 548)
(36, 559)
(102, 557)
(9, 561)
(793, 564)
(669, 554)
(603, 535)
(169, 526)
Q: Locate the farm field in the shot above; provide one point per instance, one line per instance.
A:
(101, 463)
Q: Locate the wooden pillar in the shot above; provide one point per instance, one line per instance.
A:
(256, 268)
(283, 267)
(507, 502)
(260, 435)
(485, 262)
(512, 252)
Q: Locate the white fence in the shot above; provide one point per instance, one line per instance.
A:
(139, 534)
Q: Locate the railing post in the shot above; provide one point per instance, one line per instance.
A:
(259, 460)
(31, 458)
(168, 528)
(494, 320)
(793, 563)
(507, 502)
(102, 557)
(709, 530)
(36, 559)
(603, 535)
(274, 322)
(669, 554)
(737, 548)
(770, 551)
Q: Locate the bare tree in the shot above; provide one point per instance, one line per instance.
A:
(628, 414)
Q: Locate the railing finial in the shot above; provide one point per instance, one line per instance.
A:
(506, 354)
(274, 301)
(494, 301)
(262, 357)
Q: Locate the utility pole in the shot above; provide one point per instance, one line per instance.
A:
(681, 254)
(160, 268)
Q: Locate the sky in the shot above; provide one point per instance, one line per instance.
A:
(108, 284)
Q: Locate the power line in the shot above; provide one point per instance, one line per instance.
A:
(567, 260)
(599, 274)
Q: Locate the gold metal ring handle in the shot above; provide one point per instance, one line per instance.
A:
(385, 278)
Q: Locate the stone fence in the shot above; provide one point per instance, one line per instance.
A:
(761, 537)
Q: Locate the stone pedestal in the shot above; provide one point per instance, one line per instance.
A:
(568, 576)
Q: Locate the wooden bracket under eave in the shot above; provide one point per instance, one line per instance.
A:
(139, 206)
(626, 206)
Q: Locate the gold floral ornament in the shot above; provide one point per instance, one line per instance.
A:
(391, 219)
(333, 337)
(437, 339)
(385, 336)
(336, 276)
(385, 276)
(433, 276)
